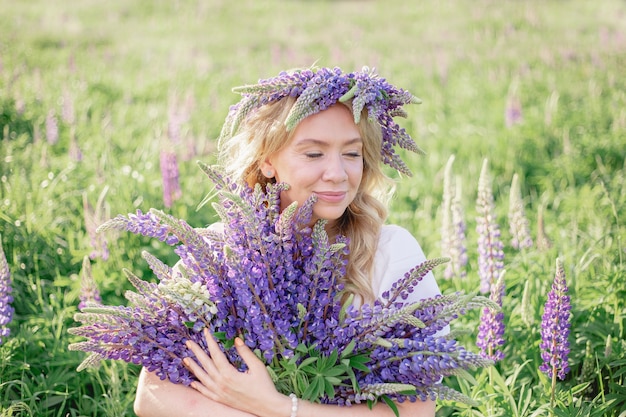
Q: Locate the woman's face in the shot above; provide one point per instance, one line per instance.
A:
(325, 158)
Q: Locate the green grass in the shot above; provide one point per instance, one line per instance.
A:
(123, 64)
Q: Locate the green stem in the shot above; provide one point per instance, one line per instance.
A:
(553, 387)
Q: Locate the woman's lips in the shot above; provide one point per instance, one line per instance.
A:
(331, 196)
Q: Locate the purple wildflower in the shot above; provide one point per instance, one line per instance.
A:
(52, 128)
(75, 152)
(490, 247)
(89, 292)
(491, 328)
(555, 325)
(513, 112)
(67, 109)
(6, 310)
(518, 223)
(170, 175)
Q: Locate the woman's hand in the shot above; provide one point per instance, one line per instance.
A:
(221, 382)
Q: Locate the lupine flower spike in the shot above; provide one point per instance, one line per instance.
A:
(555, 325)
(490, 247)
(6, 310)
(453, 225)
(252, 281)
(52, 128)
(170, 176)
(518, 223)
(89, 292)
(491, 329)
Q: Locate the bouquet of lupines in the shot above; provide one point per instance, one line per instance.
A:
(276, 282)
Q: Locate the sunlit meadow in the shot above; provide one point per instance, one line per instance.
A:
(105, 107)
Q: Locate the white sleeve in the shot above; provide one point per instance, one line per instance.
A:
(397, 253)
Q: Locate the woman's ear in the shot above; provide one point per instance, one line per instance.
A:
(267, 169)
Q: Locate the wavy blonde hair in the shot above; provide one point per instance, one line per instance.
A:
(263, 133)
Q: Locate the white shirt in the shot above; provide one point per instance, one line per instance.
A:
(397, 253)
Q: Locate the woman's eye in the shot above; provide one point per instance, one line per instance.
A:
(353, 154)
(313, 155)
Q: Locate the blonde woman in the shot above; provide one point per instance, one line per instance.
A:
(325, 133)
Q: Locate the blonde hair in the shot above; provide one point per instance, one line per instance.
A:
(263, 133)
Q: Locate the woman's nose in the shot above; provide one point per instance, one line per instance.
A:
(335, 170)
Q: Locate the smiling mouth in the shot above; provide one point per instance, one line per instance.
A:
(331, 197)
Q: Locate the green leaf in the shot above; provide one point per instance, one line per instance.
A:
(306, 362)
(391, 405)
(358, 362)
(348, 349)
(330, 388)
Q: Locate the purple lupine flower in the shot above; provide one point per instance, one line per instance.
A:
(6, 310)
(513, 112)
(170, 176)
(518, 223)
(75, 152)
(275, 280)
(453, 225)
(490, 247)
(67, 109)
(52, 128)
(89, 292)
(555, 325)
(491, 329)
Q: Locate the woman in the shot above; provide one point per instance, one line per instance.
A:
(322, 132)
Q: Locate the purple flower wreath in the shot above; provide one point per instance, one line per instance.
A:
(316, 89)
(276, 282)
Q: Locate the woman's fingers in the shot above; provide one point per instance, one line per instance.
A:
(203, 367)
(219, 358)
(248, 355)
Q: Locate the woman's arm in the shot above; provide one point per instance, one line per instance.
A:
(253, 391)
(162, 398)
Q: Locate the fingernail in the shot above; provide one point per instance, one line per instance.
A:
(238, 342)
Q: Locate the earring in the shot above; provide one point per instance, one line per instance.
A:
(269, 173)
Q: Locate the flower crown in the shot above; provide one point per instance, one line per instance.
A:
(317, 89)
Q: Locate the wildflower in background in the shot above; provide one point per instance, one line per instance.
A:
(67, 108)
(75, 152)
(459, 254)
(518, 223)
(490, 247)
(491, 329)
(52, 128)
(543, 241)
(555, 325)
(6, 310)
(453, 225)
(513, 112)
(170, 176)
(526, 313)
(93, 217)
(89, 292)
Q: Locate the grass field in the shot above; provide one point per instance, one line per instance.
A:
(90, 93)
